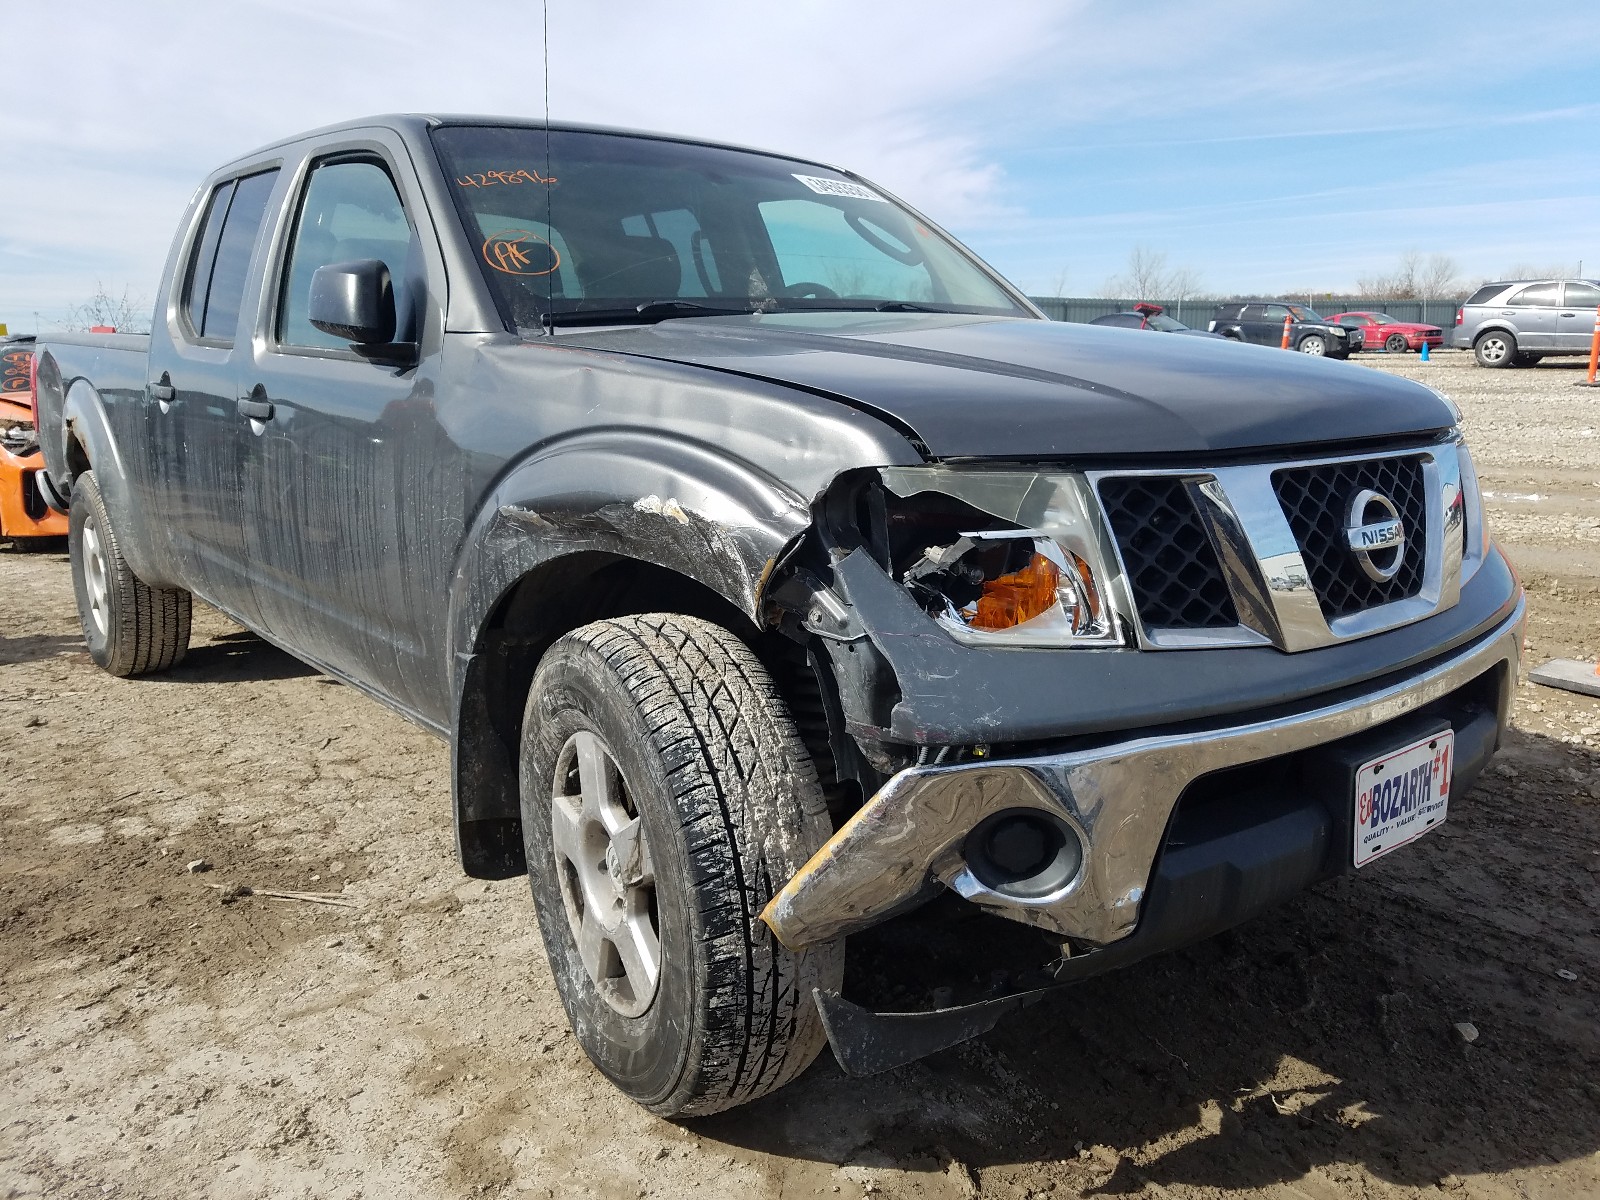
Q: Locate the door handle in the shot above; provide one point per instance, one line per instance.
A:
(163, 392)
(256, 410)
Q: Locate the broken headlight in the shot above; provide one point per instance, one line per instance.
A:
(1002, 557)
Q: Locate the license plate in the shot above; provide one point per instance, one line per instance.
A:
(1402, 795)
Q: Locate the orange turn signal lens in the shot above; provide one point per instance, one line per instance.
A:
(1020, 596)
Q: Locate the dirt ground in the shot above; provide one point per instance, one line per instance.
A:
(162, 1040)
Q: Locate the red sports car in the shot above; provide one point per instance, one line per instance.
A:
(1380, 329)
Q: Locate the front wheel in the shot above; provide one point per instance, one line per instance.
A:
(1395, 343)
(666, 795)
(1313, 343)
(1496, 348)
(131, 628)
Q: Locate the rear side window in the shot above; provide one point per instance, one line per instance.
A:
(1544, 295)
(1483, 294)
(214, 289)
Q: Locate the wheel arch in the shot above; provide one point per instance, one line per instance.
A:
(552, 599)
(88, 444)
(611, 523)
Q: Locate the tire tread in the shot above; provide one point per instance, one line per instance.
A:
(738, 769)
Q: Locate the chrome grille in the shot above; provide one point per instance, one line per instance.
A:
(1316, 501)
(1172, 566)
(1255, 554)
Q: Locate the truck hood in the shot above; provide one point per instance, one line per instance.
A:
(1004, 387)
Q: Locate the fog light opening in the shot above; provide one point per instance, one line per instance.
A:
(1023, 852)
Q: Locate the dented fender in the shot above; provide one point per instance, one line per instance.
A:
(668, 502)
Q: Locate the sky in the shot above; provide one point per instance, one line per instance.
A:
(1268, 148)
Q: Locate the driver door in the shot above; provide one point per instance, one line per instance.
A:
(352, 512)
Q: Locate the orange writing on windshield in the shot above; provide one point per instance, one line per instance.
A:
(520, 252)
(14, 376)
(491, 178)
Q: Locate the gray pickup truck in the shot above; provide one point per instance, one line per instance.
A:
(779, 575)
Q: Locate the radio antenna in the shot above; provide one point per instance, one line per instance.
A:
(549, 196)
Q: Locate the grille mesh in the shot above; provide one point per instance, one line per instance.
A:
(1172, 566)
(1316, 501)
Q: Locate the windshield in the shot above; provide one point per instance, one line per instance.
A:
(1164, 323)
(1301, 313)
(604, 224)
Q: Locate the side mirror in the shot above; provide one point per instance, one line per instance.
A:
(354, 301)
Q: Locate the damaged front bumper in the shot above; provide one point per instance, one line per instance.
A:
(1185, 835)
(1116, 799)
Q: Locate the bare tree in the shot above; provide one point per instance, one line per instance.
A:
(1148, 278)
(1182, 284)
(1439, 276)
(1524, 270)
(126, 313)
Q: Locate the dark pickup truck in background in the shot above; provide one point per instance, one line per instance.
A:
(777, 573)
(1261, 322)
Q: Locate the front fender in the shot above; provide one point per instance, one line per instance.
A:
(670, 502)
(659, 499)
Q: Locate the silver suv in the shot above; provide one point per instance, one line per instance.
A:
(1517, 322)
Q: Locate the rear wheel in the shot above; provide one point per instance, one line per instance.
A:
(131, 628)
(1313, 343)
(1395, 343)
(1497, 348)
(666, 795)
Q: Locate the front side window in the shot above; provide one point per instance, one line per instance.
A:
(351, 211)
(586, 226)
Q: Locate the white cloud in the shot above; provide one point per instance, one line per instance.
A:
(983, 116)
(124, 108)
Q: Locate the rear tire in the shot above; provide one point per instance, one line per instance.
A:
(1496, 349)
(131, 628)
(666, 733)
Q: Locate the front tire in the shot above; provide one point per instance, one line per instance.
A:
(1497, 349)
(1314, 344)
(131, 628)
(666, 795)
(1395, 343)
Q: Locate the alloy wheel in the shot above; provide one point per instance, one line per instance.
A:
(607, 877)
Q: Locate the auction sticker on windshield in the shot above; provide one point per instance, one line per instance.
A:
(839, 187)
(1402, 795)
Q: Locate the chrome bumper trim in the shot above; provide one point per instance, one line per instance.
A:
(1118, 798)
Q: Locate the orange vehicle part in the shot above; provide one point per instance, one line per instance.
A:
(23, 513)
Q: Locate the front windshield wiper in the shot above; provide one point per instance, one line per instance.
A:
(652, 310)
